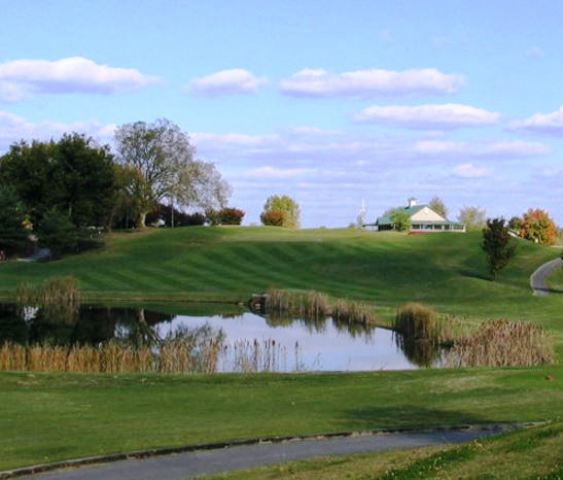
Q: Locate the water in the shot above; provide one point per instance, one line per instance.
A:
(251, 342)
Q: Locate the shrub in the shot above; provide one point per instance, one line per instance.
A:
(231, 216)
(225, 216)
(272, 218)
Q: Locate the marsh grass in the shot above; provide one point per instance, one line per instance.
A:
(59, 297)
(255, 356)
(310, 303)
(315, 305)
(500, 343)
(194, 351)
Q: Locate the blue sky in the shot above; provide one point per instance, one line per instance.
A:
(332, 102)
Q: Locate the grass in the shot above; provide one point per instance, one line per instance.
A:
(555, 280)
(444, 270)
(533, 453)
(49, 417)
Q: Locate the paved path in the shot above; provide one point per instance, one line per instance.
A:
(538, 278)
(187, 465)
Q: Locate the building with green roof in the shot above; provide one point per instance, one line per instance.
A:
(422, 220)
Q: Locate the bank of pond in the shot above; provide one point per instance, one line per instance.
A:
(222, 338)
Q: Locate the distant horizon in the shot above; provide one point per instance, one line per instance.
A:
(334, 104)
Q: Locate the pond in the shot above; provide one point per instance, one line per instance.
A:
(219, 339)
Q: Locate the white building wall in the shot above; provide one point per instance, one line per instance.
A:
(428, 215)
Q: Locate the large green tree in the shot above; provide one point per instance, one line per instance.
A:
(73, 175)
(497, 245)
(282, 207)
(161, 155)
(12, 215)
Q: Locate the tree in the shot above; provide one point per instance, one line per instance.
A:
(537, 226)
(12, 216)
(163, 159)
(73, 175)
(515, 223)
(439, 206)
(286, 209)
(473, 218)
(400, 219)
(58, 233)
(497, 245)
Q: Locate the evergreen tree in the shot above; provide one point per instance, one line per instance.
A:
(497, 245)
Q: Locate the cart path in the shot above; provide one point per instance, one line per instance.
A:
(182, 466)
(538, 278)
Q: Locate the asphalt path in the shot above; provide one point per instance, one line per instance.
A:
(539, 277)
(182, 466)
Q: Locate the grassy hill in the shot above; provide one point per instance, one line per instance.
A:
(446, 270)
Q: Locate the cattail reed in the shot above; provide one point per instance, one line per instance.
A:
(191, 352)
(312, 304)
(500, 343)
(309, 304)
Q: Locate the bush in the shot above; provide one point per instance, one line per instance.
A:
(231, 216)
(58, 233)
(194, 219)
(225, 216)
(272, 218)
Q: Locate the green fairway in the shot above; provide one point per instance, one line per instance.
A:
(47, 417)
(531, 453)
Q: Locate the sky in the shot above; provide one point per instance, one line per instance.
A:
(332, 102)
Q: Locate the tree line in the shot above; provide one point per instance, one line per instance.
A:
(62, 189)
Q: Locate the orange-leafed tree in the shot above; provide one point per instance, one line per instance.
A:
(538, 226)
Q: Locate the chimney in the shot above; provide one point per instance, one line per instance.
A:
(412, 202)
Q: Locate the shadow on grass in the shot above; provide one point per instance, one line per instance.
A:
(474, 274)
(410, 417)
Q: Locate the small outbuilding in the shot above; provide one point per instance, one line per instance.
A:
(422, 220)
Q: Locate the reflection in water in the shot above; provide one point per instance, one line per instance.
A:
(148, 340)
(420, 351)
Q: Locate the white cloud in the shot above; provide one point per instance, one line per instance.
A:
(495, 149)
(14, 128)
(549, 123)
(20, 79)
(273, 173)
(365, 83)
(468, 170)
(225, 140)
(449, 115)
(228, 82)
